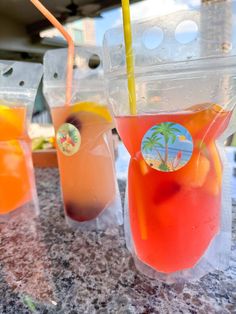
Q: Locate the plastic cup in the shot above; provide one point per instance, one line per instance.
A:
(84, 141)
(177, 201)
(18, 86)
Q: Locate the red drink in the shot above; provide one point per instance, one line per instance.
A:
(175, 215)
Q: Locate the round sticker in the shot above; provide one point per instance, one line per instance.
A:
(68, 139)
(167, 146)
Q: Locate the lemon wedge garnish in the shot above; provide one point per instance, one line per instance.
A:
(5, 111)
(94, 108)
(217, 108)
(206, 106)
(8, 118)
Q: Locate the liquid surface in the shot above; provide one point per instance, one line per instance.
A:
(175, 215)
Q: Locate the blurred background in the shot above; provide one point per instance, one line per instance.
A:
(25, 35)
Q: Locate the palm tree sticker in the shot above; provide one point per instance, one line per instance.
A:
(167, 146)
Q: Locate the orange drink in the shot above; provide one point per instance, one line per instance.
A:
(16, 172)
(87, 176)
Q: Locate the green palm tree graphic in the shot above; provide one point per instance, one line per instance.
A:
(152, 143)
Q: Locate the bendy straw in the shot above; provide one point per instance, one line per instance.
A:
(71, 47)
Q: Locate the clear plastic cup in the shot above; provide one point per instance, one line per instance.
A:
(84, 140)
(179, 206)
(18, 86)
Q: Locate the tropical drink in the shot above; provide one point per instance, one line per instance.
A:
(174, 204)
(87, 174)
(17, 187)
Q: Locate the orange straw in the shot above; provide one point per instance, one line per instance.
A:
(71, 47)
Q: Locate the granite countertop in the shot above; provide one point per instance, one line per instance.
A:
(48, 268)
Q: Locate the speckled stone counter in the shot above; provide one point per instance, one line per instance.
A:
(45, 267)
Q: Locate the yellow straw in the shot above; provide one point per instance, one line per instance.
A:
(129, 56)
(132, 95)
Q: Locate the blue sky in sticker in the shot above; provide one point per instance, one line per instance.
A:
(185, 145)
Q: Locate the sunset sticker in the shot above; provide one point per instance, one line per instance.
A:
(167, 146)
